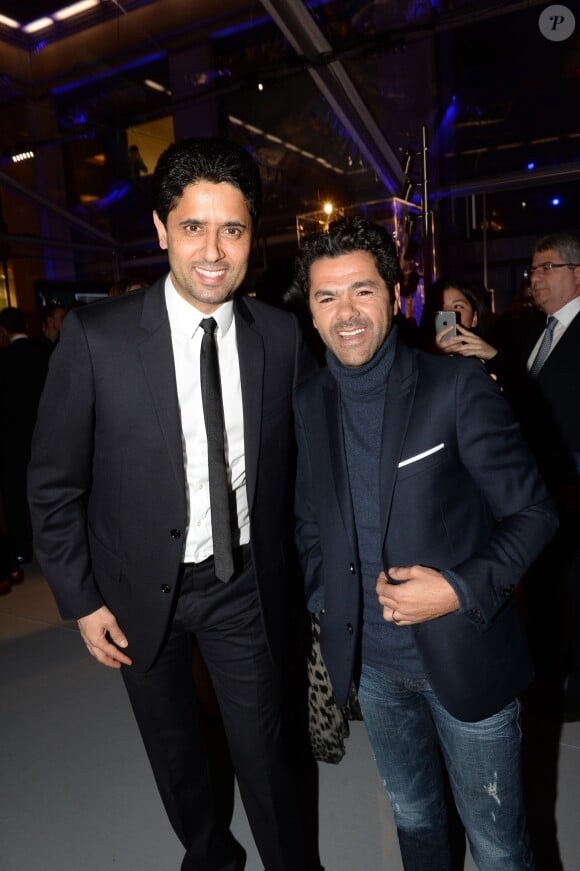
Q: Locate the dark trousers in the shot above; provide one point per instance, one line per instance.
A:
(226, 621)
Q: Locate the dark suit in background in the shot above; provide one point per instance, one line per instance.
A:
(548, 407)
(23, 367)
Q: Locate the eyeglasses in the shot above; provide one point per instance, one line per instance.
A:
(546, 268)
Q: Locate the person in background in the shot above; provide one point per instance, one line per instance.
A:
(541, 378)
(52, 319)
(162, 513)
(471, 302)
(23, 365)
(419, 508)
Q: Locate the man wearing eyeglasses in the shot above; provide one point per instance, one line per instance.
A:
(547, 402)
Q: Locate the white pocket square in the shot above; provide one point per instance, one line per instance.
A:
(418, 457)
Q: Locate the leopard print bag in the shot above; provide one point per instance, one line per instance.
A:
(327, 723)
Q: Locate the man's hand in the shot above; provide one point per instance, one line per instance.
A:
(425, 595)
(98, 630)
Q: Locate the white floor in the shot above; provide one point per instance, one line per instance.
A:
(77, 794)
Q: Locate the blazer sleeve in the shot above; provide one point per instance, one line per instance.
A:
(497, 458)
(307, 533)
(59, 475)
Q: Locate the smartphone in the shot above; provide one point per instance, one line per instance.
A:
(446, 319)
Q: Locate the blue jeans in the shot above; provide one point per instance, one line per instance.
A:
(412, 737)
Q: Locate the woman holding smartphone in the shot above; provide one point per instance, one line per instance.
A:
(471, 303)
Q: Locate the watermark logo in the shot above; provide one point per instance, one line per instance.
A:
(557, 23)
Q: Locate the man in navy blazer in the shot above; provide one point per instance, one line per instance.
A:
(419, 508)
(122, 510)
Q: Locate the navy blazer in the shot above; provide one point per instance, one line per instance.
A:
(107, 484)
(475, 504)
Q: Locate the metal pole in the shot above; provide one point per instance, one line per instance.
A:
(425, 215)
(484, 210)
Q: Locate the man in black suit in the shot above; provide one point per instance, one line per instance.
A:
(419, 508)
(123, 500)
(541, 377)
(23, 366)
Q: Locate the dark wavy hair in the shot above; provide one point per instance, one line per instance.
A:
(344, 237)
(210, 159)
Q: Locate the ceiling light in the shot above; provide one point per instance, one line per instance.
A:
(288, 145)
(22, 155)
(39, 24)
(9, 22)
(74, 9)
(155, 86)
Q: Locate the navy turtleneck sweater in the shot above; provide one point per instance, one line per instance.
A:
(362, 397)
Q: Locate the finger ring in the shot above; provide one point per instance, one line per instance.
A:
(394, 619)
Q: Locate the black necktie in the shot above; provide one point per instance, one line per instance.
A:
(219, 493)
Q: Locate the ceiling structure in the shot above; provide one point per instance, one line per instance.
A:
(328, 94)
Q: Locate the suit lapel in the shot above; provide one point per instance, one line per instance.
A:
(157, 358)
(398, 402)
(569, 342)
(331, 397)
(251, 355)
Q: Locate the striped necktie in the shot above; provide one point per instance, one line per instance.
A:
(545, 346)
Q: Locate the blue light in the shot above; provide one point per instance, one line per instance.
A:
(531, 165)
(106, 74)
(555, 201)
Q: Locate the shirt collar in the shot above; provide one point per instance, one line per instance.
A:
(185, 318)
(568, 312)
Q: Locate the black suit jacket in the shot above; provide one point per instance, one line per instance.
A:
(547, 406)
(107, 486)
(459, 490)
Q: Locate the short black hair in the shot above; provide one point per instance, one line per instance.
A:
(13, 320)
(344, 237)
(205, 159)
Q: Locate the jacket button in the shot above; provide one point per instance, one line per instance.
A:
(507, 591)
(175, 533)
(352, 569)
(349, 628)
(165, 588)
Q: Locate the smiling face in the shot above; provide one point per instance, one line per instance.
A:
(456, 301)
(208, 237)
(552, 290)
(351, 306)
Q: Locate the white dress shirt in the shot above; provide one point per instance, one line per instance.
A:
(186, 335)
(564, 318)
